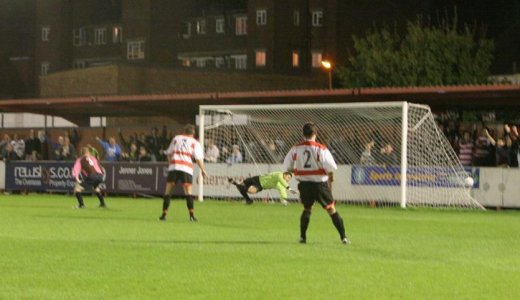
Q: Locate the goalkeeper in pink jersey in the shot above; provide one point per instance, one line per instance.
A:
(88, 172)
(274, 180)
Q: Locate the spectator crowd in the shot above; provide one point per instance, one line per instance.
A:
(39, 146)
(475, 144)
(485, 146)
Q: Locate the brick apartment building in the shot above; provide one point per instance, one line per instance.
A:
(256, 35)
(17, 41)
(288, 37)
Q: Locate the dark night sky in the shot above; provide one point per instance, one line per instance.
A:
(501, 18)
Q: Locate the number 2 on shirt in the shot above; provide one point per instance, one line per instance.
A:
(307, 155)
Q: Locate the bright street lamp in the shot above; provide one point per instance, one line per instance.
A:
(327, 65)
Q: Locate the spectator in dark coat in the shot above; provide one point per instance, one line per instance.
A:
(33, 146)
(143, 155)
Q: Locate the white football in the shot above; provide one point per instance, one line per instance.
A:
(469, 182)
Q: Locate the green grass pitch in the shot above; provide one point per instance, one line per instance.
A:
(50, 251)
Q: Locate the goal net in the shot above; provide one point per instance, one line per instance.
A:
(388, 153)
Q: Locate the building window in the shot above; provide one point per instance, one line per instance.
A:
(44, 68)
(98, 121)
(200, 63)
(260, 58)
(100, 36)
(219, 62)
(295, 59)
(201, 26)
(135, 50)
(316, 59)
(296, 18)
(219, 25)
(240, 61)
(76, 37)
(46, 31)
(186, 30)
(79, 64)
(261, 17)
(317, 18)
(241, 25)
(117, 35)
(79, 36)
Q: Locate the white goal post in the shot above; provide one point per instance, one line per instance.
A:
(388, 153)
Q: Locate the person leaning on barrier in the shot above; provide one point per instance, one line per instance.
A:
(212, 153)
(235, 157)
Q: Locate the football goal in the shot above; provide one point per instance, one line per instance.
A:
(388, 153)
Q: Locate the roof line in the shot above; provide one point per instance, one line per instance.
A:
(267, 94)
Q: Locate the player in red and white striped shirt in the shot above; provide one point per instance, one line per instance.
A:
(313, 166)
(183, 150)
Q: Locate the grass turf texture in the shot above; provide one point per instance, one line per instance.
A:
(50, 251)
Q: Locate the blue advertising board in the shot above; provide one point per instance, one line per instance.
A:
(39, 176)
(416, 176)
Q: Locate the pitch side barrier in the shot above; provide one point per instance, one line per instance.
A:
(493, 187)
(55, 176)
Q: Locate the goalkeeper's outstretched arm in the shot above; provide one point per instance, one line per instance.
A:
(282, 191)
(293, 191)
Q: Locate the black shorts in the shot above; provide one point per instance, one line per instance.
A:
(315, 191)
(253, 181)
(179, 177)
(93, 180)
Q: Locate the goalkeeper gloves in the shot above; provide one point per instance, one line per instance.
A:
(293, 191)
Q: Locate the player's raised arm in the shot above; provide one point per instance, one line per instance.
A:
(489, 137)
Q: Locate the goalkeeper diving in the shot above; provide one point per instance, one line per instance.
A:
(273, 180)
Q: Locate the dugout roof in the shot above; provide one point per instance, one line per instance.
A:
(79, 109)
